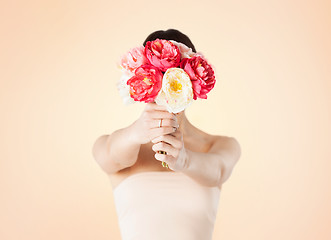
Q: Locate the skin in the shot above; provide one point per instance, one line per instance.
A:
(135, 149)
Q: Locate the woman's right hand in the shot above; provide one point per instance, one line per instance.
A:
(146, 127)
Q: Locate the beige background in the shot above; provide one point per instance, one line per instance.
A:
(57, 95)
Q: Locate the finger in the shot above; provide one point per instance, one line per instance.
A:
(165, 158)
(169, 149)
(169, 139)
(155, 123)
(154, 106)
(161, 157)
(155, 132)
(161, 114)
(177, 134)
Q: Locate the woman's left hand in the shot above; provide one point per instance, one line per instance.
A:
(173, 145)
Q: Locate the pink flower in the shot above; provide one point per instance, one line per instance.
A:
(124, 89)
(145, 84)
(162, 54)
(186, 52)
(134, 59)
(201, 75)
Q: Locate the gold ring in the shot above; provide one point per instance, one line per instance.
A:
(164, 164)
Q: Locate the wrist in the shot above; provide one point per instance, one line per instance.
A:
(182, 162)
(186, 159)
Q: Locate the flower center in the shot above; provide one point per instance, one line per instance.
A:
(175, 86)
(147, 81)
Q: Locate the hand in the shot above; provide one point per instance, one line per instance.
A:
(147, 127)
(173, 144)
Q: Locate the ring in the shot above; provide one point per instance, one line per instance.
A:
(160, 123)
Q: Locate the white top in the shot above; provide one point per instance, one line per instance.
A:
(165, 205)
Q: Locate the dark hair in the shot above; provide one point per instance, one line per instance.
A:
(170, 34)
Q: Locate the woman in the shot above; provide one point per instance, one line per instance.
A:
(154, 202)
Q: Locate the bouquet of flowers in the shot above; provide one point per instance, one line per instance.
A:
(165, 72)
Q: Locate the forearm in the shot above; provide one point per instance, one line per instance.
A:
(123, 147)
(117, 150)
(205, 168)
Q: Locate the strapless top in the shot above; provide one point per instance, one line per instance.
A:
(167, 205)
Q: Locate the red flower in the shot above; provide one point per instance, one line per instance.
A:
(145, 84)
(162, 54)
(201, 74)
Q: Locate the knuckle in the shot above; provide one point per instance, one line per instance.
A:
(164, 130)
(149, 136)
(166, 115)
(170, 115)
(146, 114)
(174, 123)
(165, 122)
(170, 123)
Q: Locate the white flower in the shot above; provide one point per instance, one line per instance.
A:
(185, 51)
(176, 92)
(123, 88)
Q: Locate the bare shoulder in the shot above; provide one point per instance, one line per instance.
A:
(226, 145)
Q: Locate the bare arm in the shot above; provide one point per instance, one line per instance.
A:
(120, 149)
(209, 169)
(215, 167)
(116, 151)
